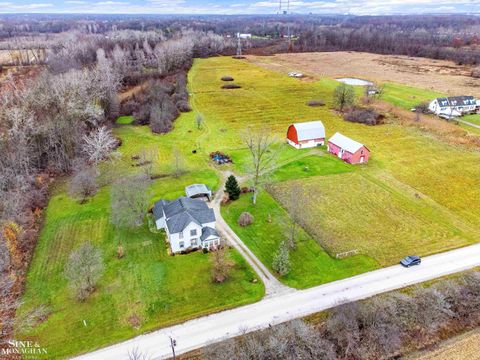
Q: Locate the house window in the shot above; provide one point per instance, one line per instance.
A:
(181, 244)
(180, 235)
(194, 242)
(193, 232)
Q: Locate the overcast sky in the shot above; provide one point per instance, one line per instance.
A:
(359, 7)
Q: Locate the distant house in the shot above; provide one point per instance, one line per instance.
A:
(244, 36)
(189, 224)
(347, 149)
(306, 135)
(198, 191)
(453, 106)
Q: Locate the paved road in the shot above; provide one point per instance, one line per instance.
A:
(280, 308)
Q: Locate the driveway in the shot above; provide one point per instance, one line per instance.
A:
(287, 306)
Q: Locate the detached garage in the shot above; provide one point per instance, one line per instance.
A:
(306, 135)
(347, 149)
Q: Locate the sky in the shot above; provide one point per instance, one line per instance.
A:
(232, 7)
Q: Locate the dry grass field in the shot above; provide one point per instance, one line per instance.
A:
(463, 347)
(437, 75)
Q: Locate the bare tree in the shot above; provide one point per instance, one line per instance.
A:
(129, 201)
(199, 120)
(83, 269)
(343, 96)
(83, 184)
(221, 265)
(99, 144)
(137, 354)
(260, 145)
(297, 206)
(178, 162)
(281, 259)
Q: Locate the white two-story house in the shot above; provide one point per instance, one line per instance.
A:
(453, 106)
(189, 223)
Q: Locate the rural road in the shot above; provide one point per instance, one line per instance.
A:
(283, 307)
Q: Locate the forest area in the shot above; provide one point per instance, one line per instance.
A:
(60, 80)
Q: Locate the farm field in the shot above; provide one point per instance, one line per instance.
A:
(435, 75)
(463, 347)
(144, 290)
(430, 189)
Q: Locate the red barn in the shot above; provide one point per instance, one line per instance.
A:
(306, 135)
(347, 149)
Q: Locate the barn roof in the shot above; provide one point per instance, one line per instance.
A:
(310, 130)
(345, 143)
(197, 189)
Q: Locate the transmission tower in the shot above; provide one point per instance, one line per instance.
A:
(284, 9)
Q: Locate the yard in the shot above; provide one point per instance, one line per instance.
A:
(143, 291)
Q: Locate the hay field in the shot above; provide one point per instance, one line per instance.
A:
(463, 347)
(437, 75)
(429, 188)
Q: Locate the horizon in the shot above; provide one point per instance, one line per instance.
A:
(239, 7)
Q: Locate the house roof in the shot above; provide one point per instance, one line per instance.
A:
(197, 189)
(456, 101)
(181, 212)
(310, 130)
(207, 232)
(345, 143)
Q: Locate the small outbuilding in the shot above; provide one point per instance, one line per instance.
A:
(195, 191)
(347, 149)
(306, 135)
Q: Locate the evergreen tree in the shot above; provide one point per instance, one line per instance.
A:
(232, 188)
(281, 260)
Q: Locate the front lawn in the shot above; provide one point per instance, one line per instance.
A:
(311, 265)
(145, 290)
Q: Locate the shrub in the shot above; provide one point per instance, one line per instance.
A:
(227, 78)
(183, 106)
(364, 116)
(476, 72)
(245, 219)
(315, 103)
(422, 108)
(231, 86)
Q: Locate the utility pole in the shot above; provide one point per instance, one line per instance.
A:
(283, 11)
(239, 45)
(173, 343)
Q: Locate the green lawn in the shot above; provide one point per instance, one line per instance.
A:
(312, 165)
(146, 286)
(407, 97)
(125, 120)
(310, 264)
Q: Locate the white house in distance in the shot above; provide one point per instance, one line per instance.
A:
(306, 135)
(189, 223)
(244, 36)
(453, 106)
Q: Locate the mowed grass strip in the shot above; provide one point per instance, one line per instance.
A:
(310, 264)
(312, 165)
(143, 291)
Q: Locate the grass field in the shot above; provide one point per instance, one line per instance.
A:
(311, 265)
(417, 194)
(407, 97)
(146, 289)
(430, 189)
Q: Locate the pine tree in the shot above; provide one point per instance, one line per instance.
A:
(281, 260)
(232, 188)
